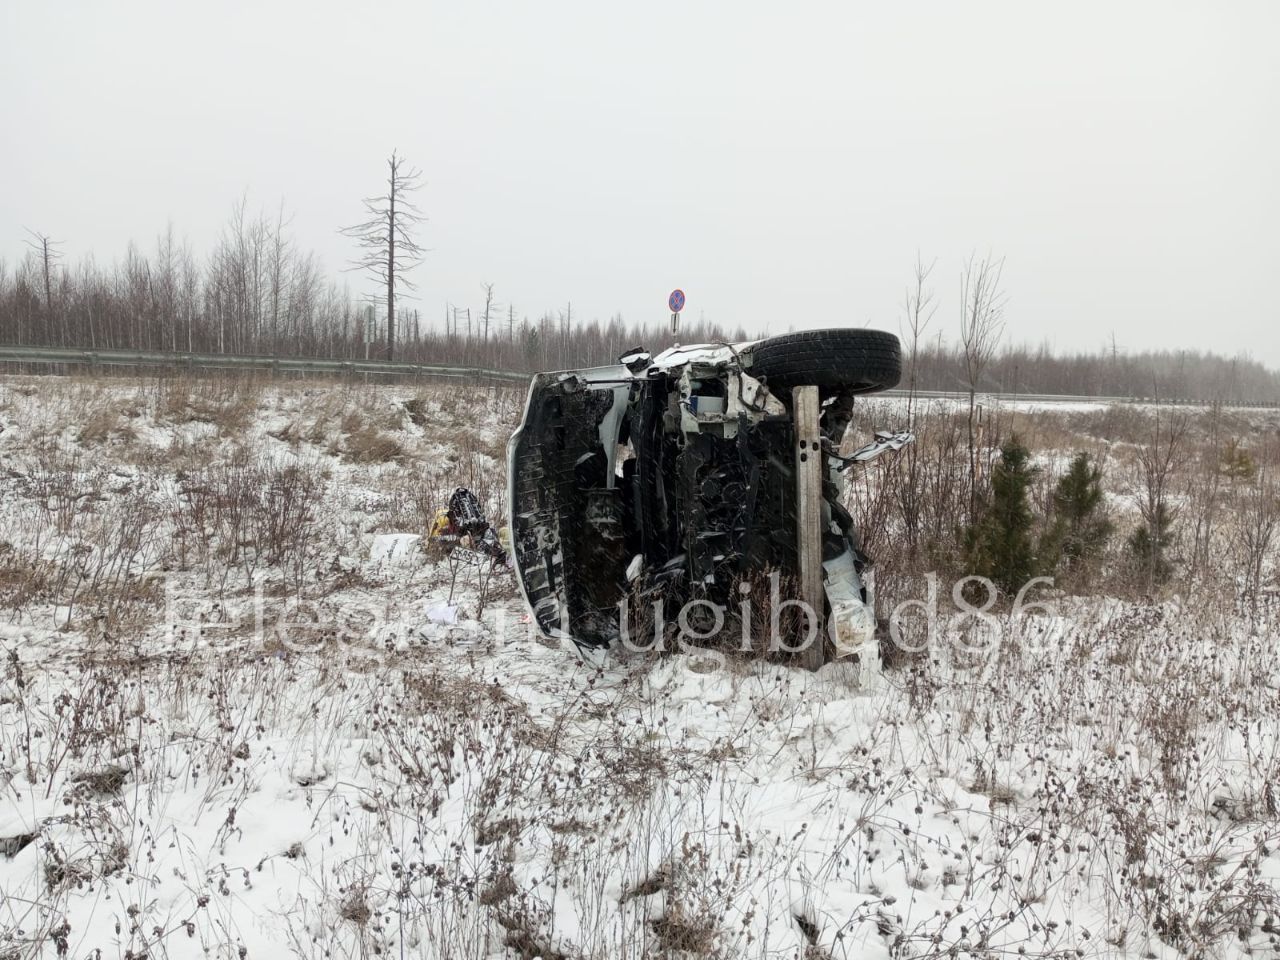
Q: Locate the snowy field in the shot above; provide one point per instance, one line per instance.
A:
(230, 728)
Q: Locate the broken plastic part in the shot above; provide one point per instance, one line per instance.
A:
(882, 444)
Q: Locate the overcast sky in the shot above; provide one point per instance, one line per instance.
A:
(781, 162)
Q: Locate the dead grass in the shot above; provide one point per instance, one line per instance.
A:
(105, 426)
(228, 410)
(682, 933)
(102, 782)
(368, 444)
(24, 579)
(355, 908)
(416, 409)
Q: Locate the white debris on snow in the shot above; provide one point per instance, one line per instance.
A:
(443, 613)
(394, 547)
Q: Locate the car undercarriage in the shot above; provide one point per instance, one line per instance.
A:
(675, 478)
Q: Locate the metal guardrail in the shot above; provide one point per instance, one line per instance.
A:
(1051, 398)
(78, 357)
(226, 361)
(1017, 397)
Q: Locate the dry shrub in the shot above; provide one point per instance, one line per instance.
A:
(416, 495)
(83, 537)
(355, 908)
(449, 402)
(103, 426)
(103, 781)
(467, 443)
(370, 445)
(59, 486)
(416, 408)
(23, 579)
(363, 442)
(699, 898)
(684, 932)
(318, 434)
(1114, 423)
(390, 417)
(106, 555)
(228, 403)
(909, 508)
(289, 434)
(246, 511)
(230, 418)
(524, 939)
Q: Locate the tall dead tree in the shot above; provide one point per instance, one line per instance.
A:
(386, 241)
(48, 255)
(489, 308)
(981, 324)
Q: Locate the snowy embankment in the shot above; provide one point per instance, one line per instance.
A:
(226, 731)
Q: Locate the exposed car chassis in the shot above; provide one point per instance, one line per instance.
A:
(675, 476)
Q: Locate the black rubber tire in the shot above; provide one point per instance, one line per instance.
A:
(846, 360)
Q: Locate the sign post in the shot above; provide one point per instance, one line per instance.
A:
(676, 303)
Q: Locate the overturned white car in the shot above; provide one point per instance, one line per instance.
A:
(676, 476)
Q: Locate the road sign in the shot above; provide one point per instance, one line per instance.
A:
(676, 301)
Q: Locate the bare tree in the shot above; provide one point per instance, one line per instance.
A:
(1204, 498)
(981, 325)
(388, 248)
(568, 329)
(1260, 518)
(919, 310)
(489, 308)
(46, 249)
(232, 289)
(1156, 462)
(905, 471)
(164, 286)
(189, 291)
(279, 262)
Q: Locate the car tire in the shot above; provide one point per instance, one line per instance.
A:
(845, 360)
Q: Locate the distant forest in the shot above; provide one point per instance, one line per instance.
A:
(258, 293)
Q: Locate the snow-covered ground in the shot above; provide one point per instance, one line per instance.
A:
(230, 729)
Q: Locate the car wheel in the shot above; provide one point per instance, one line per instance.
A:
(846, 360)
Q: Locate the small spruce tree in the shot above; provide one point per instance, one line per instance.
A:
(1080, 527)
(1236, 463)
(1147, 544)
(1001, 545)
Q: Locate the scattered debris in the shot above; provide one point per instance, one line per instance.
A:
(885, 442)
(446, 613)
(464, 530)
(394, 547)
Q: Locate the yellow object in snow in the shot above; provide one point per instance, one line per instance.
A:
(439, 525)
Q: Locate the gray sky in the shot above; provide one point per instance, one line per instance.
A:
(781, 162)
